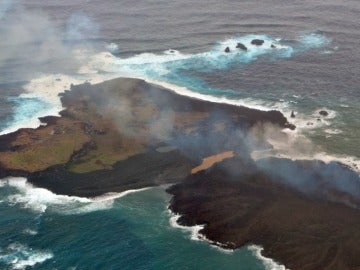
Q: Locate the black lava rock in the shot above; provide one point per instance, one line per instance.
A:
(257, 42)
(241, 46)
(323, 113)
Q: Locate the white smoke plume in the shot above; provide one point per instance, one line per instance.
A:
(32, 42)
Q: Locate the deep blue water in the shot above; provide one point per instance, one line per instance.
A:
(315, 66)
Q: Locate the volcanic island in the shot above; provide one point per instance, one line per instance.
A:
(127, 134)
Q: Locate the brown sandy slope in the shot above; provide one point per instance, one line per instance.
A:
(211, 160)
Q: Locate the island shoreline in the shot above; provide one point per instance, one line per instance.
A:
(126, 134)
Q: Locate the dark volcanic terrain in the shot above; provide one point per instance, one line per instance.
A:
(127, 134)
(239, 207)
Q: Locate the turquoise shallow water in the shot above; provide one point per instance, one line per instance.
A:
(133, 233)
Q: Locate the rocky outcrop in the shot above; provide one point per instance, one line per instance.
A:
(241, 47)
(257, 42)
(323, 113)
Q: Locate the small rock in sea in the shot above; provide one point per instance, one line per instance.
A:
(227, 50)
(241, 46)
(324, 113)
(171, 51)
(309, 123)
(257, 42)
(318, 119)
(292, 114)
(58, 79)
(273, 46)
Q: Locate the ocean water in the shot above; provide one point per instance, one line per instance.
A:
(47, 45)
(47, 231)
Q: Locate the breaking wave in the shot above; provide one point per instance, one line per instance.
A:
(40, 200)
(171, 69)
(19, 256)
(269, 264)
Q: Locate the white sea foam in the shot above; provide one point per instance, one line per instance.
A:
(298, 147)
(151, 58)
(305, 121)
(104, 66)
(194, 231)
(30, 231)
(18, 256)
(151, 65)
(180, 90)
(49, 86)
(172, 52)
(46, 89)
(314, 40)
(37, 199)
(331, 113)
(113, 195)
(269, 264)
(132, 68)
(26, 111)
(112, 47)
(102, 202)
(148, 66)
(29, 122)
(40, 200)
(254, 51)
(76, 209)
(313, 122)
(333, 131)
(350, 161)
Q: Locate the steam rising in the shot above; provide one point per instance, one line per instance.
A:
(80, 27)
(140, 109)
(49, 48)
(5, 5)
(30, 35)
